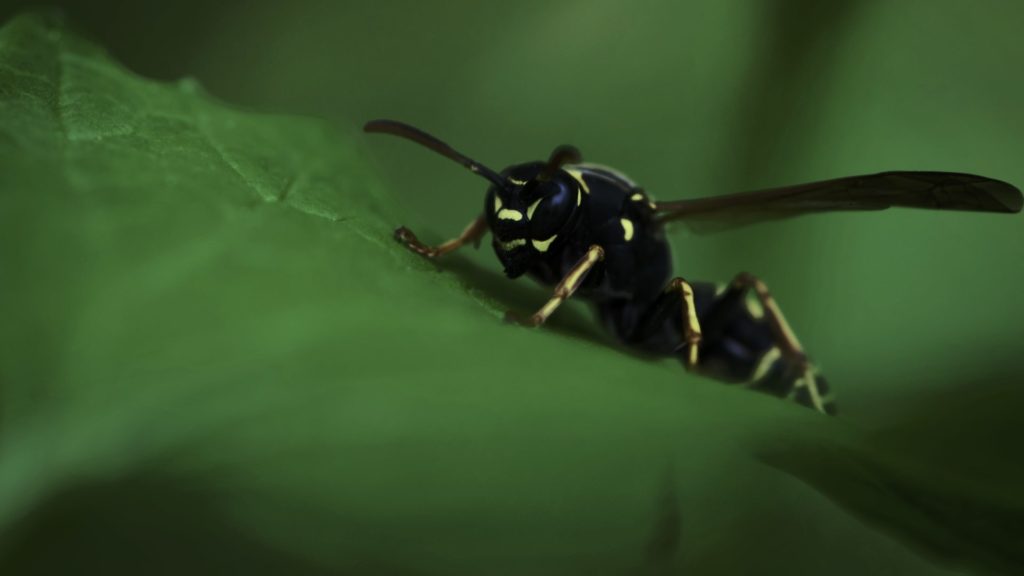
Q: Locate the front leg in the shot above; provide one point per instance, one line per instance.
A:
(472, 233)
(564, 290)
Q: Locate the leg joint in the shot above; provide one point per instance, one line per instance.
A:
(677, 284)
(747, 280)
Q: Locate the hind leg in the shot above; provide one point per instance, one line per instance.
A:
(784, 368)
(738, 336)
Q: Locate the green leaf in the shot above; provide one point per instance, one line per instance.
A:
(214, 359)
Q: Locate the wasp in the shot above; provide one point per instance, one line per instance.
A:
(588, 230)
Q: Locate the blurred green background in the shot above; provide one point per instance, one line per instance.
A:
(903, 310)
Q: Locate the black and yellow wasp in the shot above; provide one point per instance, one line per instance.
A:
(589, 230)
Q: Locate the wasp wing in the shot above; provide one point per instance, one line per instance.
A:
(931, 190)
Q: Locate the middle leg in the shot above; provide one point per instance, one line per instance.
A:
(667, 325)
(691, 326)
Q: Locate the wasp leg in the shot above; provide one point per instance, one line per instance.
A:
(808, 387)
(668, 324)
(563, 291)
(472, 233)
(691, 326)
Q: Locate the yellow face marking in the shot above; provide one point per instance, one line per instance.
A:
(627, 228)
(542, 245)
(497, 203)
(517, 182)
(506, 246)
(506, 214)
(532, 208)
(579, 197)
(638, 197)
(577, 174)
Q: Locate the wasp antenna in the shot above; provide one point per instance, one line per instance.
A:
(564, 154)
(420, 137)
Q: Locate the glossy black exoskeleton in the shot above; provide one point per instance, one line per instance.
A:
(589, 230)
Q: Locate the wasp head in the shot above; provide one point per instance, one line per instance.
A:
(531, 215)
(530, 207)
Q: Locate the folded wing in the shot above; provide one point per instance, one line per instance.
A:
(930, 190)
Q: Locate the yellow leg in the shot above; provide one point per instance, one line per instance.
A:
(691, 326)
(472, 233)
(564, 290)
(784, 335)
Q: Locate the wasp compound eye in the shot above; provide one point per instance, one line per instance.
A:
(549, 214)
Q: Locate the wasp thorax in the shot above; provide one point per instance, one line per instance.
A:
(527, 216)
